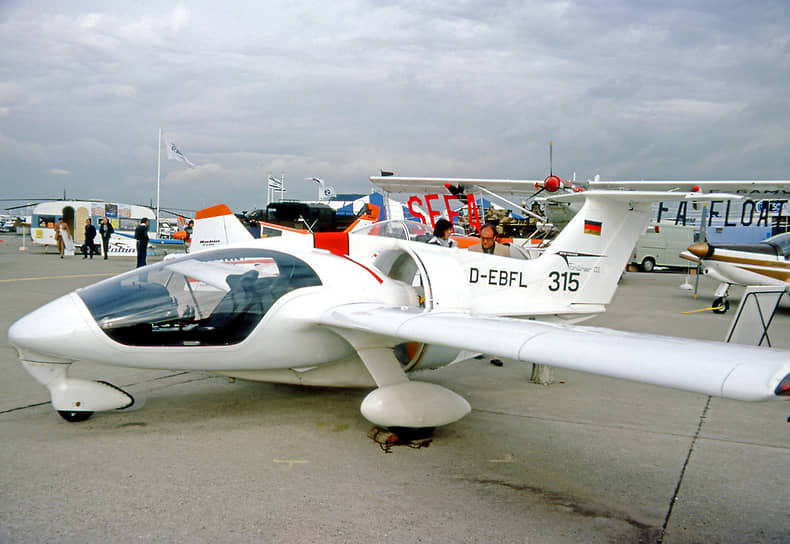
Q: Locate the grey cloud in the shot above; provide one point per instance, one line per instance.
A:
(339, 90)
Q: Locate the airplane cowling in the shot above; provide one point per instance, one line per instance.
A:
(413, 405)
(552, 184)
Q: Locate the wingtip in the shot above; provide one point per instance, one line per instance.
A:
(783, 389)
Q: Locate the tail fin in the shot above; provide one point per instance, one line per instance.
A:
(365, 219)
(217, 226)
(596, 245)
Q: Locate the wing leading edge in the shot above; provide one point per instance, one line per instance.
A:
(739, 372)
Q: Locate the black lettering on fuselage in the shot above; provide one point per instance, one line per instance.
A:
(493, 276)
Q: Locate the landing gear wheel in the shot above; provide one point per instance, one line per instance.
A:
(721, 304)
(412, 433)
(74, 417)
(648, 264)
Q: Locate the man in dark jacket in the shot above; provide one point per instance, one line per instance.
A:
(106, 231)
(141, 235)
(90, 234)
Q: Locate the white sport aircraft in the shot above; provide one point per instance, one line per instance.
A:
(339, 309)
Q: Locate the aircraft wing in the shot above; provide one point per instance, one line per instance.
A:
(713, 368)
(746, 186)
(397, 184)
(641, 196)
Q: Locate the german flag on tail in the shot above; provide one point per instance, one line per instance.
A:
(592, 227)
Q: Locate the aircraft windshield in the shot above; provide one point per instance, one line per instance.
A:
(781, 240)
(404, 230)
(210, 298)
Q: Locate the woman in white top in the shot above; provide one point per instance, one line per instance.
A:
(63, 237)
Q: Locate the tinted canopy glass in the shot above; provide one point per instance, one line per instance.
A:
(210, 298)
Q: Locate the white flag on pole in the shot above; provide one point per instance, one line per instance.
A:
(174, 153)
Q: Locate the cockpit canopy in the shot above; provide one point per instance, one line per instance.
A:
(781, 241)
(209, 298)
(396, 228)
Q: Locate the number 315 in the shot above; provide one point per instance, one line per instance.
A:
(566, 281)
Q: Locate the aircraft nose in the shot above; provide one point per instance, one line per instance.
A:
(52, 330)
(701, 250)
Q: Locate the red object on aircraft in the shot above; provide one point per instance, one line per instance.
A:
(552, 183)
(783, 389)
(695, 189)
(336, 242)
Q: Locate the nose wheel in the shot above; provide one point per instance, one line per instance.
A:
(721, 305)
(73, 416)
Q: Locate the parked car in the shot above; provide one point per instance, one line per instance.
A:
(7, 223)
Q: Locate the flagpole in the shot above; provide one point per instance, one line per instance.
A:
(158, 173)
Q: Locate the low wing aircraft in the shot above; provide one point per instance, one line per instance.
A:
(765, 263)
(339, 309)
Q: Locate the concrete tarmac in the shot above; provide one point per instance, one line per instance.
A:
(206, 459)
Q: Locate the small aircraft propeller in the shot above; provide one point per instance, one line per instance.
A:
(553, 183)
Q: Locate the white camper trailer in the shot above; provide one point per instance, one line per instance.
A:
(123, 217)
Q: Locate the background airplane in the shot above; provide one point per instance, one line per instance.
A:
(765, 263)
(339, 309)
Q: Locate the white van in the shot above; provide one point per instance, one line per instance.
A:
(661, 244)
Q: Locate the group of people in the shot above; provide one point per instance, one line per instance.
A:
(488, 244)
(89, 248)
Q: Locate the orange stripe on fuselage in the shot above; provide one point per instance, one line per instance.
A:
(781, 275)
(746, 261)
(772, 268)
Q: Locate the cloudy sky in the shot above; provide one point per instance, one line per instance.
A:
(342, 89)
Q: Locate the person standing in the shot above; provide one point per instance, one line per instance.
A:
(90, 234)
(188, 241)
(62, 235)
(106, 231)
(141, 235)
